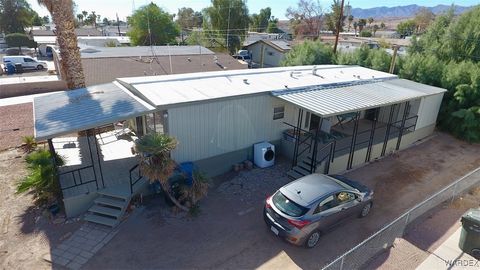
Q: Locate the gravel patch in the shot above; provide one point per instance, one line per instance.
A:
(250, 186)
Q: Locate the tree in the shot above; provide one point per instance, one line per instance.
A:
(355, 26)
(382, 25)
(36, 20)
(15, 15)
(70, 61)
(259, 22)
(155, 161)
(350, 20)
(80, 17)
(447, 56)
(46, 19)
(150, 25)
(377, 59)
(19, 40)
(226, 21)
(305, 20)
(106, 21)
(361, 24)
(423, 18)
(309, 53)
(333, 17)
(187, 18)
(406, 28)
(272, 26)
(366, 33)
(375, 29)
(370, 21)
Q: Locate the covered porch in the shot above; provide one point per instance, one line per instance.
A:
(93, 129)
(338, 128)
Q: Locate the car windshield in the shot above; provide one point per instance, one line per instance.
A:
(287, 206)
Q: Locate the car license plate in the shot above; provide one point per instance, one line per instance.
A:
(274, 230)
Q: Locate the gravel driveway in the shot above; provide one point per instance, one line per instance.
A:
(229, 233)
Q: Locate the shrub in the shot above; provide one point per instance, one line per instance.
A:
(366, 33)
(42, 178)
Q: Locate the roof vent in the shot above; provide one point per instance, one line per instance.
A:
(292, 73)
(314, 70)
(189, 59)
(245, 81)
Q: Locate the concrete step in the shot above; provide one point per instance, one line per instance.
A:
(111, 222)
(117, 191)
(111, 202)
(301, 170)
(293, 174)
(113, 212)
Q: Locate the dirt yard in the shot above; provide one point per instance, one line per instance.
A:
(229, 232)
(426, 234)
(16, 122)
(26, 232)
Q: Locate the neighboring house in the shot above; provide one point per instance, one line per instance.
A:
(268, 53)
(81, 32)
(111, 30)
(325, 119)
(102, 65)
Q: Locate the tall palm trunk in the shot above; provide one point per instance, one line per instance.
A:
(71, 64)
(166, 189)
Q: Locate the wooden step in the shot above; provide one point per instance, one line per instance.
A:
(113, 212)
(293, 174)
(111, 202)
(301, 170)
(111, 222)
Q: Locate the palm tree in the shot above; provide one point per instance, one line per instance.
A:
(80, 17)
(350, 20)
(155, 161)
(71, 64)
(370, 21)
(355, 26)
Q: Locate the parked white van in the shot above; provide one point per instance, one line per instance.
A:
(26, 61)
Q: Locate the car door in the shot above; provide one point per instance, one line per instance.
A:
(29, 63)
(348, 203)
(325, 213)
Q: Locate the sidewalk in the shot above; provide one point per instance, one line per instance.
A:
(450, 256)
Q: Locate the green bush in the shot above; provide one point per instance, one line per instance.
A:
(42, 178)
(366, 33)
(309, 53)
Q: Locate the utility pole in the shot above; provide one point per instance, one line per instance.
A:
(339, 24)
(394, 59)
(228, 24)
(118, 26)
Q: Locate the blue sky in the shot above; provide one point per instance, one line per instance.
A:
(108, 8)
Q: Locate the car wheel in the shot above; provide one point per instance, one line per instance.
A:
(366, 210)
(312, 239)
(39, 67)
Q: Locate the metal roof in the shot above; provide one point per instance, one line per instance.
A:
(102, 52)
(81, 109)
(339, 99)
(197, 87)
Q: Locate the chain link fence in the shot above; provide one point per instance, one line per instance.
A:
(383, 239)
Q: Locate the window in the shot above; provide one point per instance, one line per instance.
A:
(288, 206)
(28, 60)
(278, 112)
(156, 122)
(326, 204)
(344, 197)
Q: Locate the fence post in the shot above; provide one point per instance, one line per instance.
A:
(341, 263)
(454, 191)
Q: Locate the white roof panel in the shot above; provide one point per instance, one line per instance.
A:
(70, 111)
(329, 101)
(177, 89)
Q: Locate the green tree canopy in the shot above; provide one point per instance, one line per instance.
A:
(19, 40)
(15, 15)
(309, 53)
(188, 18)
(406, 28)
(259, 22)
(226, 22)
(448, 56)
(162, 28)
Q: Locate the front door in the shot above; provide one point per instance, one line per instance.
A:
(314, 122)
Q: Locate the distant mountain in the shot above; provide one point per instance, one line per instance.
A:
(401, 11)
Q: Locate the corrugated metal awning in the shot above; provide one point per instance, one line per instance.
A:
(81, 109)
(331, 101)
